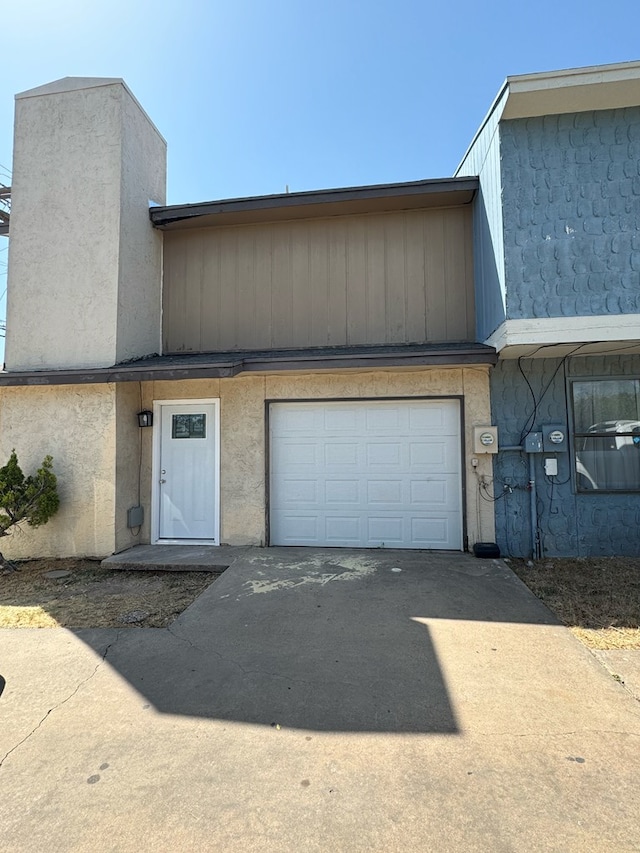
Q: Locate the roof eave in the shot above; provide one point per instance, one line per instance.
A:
(451, 191)
(176, 368)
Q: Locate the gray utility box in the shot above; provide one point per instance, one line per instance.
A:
(533, 442)
(135, 516)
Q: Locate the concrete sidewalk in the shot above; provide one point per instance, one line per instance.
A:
(314, 700)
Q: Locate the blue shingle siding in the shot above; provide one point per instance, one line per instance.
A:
(571, 207)
(570, 524)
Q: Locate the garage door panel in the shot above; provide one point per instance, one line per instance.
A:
(341, 420)
(297, 492)
(340, 453)
(366, 474)
(436, 493)
(433, 419)
(342, 528)
(382, 420)
(342, 492)
(436, 454)
(302, 419)
(302, 528)
(432, 532)
(391, 493)
(385, 530)
(383, 453)
(294, 452)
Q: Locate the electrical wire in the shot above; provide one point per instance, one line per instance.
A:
(484, 487)
(530, 421)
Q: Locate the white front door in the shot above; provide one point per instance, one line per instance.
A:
(186, 472)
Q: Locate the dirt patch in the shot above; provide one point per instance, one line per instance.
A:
(598, 598)
(90, 596)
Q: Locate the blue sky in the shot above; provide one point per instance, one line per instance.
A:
(255, 95)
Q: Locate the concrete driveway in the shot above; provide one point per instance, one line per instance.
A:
(315, 700)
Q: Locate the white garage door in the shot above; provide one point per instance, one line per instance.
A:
(366, 474)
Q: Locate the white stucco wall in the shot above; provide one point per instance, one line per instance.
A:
(82, 250)
(77, 426)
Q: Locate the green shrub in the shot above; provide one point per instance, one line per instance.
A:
(32, 499)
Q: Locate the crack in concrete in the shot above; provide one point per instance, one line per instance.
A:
(554, 734)
(63, 702)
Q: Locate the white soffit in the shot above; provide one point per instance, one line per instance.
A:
(603, 87)
(595, 334)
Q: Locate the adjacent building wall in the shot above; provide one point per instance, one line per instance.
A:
(383, 278)
(571, 524)
(571, 193)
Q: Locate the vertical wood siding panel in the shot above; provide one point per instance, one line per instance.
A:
(319, 266)
(337, 280)
(246, 290)
(376, 304)
(173, 293)
(281, 281)
(435, 282)
(395, 279)
(228, 289)
(454, 272)
(300, 286)
(416, 331)
(193, 293)
(381, 278)
(210, 284)
(356, 280)
(262, 266)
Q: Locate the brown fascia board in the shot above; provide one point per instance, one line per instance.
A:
(199, 367)
(440, 192)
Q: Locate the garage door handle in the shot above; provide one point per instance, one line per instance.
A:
(163, 481)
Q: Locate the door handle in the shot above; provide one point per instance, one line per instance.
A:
(163, 481)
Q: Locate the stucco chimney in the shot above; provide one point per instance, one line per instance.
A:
(84, 283)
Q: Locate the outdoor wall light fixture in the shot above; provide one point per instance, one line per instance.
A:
(145, 418)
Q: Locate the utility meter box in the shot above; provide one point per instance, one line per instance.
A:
(533, 442)
(554, 438)
(485, 439)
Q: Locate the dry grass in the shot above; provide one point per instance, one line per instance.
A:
(93, 597)
(597, 597)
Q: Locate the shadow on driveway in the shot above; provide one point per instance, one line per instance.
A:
(319, 639)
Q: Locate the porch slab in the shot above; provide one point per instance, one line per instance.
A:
(176, 558)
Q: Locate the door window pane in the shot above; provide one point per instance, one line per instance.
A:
(189, 426)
